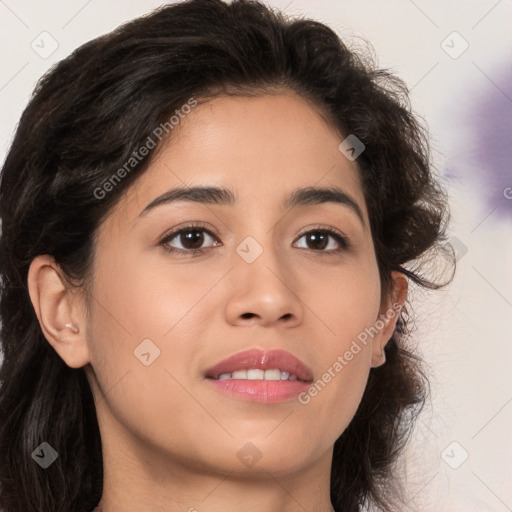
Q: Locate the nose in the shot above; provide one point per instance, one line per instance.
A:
(262, 292)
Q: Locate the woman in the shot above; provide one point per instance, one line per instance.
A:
(210, 217)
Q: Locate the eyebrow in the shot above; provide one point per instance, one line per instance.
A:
(225, 197)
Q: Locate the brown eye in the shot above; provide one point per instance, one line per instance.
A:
(324, 240)
(317, 240)
(189, 239)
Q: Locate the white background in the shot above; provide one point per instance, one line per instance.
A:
(464, 331)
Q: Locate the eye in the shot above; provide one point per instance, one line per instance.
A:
(190, 240)
(325, 240)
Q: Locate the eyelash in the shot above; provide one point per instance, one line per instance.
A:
(341, 239)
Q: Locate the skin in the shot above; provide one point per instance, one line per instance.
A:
(171, 441)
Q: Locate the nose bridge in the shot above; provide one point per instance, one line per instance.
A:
(259, 247)
(262, 282)
(260, 261)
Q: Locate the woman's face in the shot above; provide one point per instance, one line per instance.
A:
(160, 319)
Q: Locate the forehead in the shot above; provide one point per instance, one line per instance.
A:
(260, 147)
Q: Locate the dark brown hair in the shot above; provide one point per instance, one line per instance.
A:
(87, 116)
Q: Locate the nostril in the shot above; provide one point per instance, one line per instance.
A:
(247, 315)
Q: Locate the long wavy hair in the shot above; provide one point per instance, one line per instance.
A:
(87, 116)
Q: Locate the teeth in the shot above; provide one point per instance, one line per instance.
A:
(256, 374)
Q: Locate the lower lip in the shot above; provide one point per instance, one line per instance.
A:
(263, 391)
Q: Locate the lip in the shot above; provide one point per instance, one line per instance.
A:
(262, 391)
(262, 360)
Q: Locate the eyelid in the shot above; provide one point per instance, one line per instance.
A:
(189, 226)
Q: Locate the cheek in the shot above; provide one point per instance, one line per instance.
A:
(143, 313)
(146, 297)
(131, 305)
(345, 297)
(346, 301)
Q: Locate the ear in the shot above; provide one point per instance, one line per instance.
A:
(388, 317)
(60, 311)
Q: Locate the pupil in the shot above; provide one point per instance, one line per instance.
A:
(318, 236)
(194, 238)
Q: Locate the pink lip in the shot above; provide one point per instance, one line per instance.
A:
(262, 360)
(261, 390)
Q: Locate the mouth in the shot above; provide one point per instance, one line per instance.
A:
(257, 374)
(256, 364)
(260, 376)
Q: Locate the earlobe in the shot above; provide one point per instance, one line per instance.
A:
(388, 317)
(59, 311)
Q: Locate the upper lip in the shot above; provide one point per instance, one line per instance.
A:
(262, 360)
